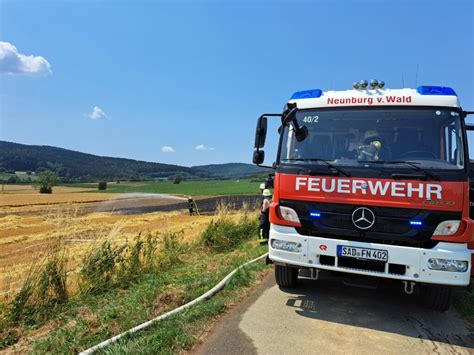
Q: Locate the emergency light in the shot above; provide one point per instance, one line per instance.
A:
(374, 83)
(315, 214)
(307, 94)
(435, 90)
(416, 223)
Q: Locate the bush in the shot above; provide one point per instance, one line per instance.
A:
(223, 234)
(102, 185)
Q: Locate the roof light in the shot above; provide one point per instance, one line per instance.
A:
(374, 83)
(363, 84)
(355, 85)
(307, 94)
(435, 90)
(381, 84)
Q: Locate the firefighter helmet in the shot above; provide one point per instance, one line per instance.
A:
(266, 193)
(370, 136)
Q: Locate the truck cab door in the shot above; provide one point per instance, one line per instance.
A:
(470, 143)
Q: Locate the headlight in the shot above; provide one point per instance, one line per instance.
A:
(289, 214)
(448, 265)
(447, 228)
(286, 246)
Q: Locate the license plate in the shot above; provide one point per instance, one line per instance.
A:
(362, 253)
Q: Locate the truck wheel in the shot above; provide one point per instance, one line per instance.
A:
(286, 276)
(437, 298)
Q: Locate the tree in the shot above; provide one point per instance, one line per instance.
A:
(102, 185)
(12, 179)
(46, 181)
(177, 179)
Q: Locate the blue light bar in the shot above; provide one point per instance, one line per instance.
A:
(307, 94)
(435, 90)
(416, 223)
(315, 214)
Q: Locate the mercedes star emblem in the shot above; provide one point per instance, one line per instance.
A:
(363, 218)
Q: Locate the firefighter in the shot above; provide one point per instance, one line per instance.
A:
(192, 207)
(264, 226)
(371, 148)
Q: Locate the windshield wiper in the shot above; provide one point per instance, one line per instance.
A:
(410, 163)
(328, 164)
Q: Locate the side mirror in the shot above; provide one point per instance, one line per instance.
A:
(261, 132)
(301, 133)
(258, 157)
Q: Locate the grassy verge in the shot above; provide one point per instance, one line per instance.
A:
(193, 187)
(119, 288)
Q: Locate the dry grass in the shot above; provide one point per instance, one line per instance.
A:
(26, 233)
(27, 195)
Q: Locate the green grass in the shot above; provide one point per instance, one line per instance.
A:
(193, 187)
(119, 310)
(175, 275)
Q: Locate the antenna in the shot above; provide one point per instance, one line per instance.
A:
(416, 76)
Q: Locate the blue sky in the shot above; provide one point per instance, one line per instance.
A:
(189, 74)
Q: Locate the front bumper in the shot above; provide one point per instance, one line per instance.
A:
(415, 259)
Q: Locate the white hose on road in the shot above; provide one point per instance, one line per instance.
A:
(201, 298)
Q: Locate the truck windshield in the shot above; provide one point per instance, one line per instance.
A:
(428, 137)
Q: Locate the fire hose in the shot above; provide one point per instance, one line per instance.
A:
(147, 324)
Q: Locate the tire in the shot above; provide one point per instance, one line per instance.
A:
(437, 298)
(286, 276)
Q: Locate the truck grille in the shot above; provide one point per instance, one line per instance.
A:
(392, 225)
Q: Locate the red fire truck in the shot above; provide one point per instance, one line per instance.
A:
(373, 183)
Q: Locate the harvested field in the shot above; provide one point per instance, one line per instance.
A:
(26, 232)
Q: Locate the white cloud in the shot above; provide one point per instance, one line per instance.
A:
(167, 149)
(203, 147)
(97, 113)
(12, 62)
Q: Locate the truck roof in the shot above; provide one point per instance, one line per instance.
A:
(422, 96)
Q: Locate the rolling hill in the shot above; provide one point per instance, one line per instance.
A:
(76, 166)
(232, 170)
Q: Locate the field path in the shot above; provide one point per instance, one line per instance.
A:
(327, 317)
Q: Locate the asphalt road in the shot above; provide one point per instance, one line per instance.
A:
(328, 317)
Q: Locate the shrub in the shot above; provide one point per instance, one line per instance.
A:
(102, 185)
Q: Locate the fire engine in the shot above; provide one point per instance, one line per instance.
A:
(373, 183)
